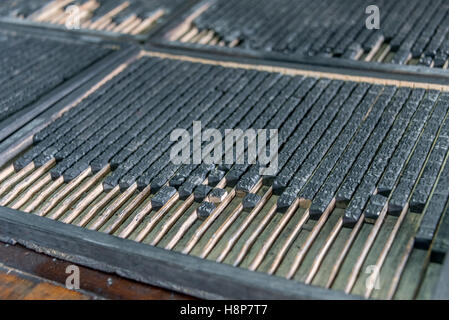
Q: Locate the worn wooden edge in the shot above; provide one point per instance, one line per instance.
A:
(31, 277)
(360, 71)
(355, 68)
(57, 100)
(148, 264)
(43, 268)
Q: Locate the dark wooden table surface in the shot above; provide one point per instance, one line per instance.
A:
(26, 274)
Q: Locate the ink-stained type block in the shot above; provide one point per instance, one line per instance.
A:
(215, 177)
(205, 210)
(162, 197)
(375, 206)
(201, 192)
(217, 195)
(247, 183)
(250, 201)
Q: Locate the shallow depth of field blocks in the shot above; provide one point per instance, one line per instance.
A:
(411, 32)
(30, 68)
